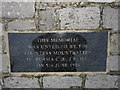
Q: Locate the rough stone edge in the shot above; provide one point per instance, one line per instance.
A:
(10, 78)
(1, 38)
(80, 86)
(107, 75)
(79, 0)
(18, 0)
(115, 72)
(60, 0)
(118, 39)
(18, 22)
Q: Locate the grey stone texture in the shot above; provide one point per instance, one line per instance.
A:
(114, 63)
(102, 81)
(19, 15)
(115, 43)
(3, 44)
(18, 1)
(2, 37)
(1, 83)
(1, 29)
(80, 18)
(47, 20)
(111, 18)
(0, 44)
(5, 63)
(21, 25)
(20, 82)
(116, 0)
(61, 82)
(78, 0)
(103, 1)
(60, 0)
(0, 87)
(0, 64)
(18, 9)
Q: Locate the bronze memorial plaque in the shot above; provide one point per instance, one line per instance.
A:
(58, 52)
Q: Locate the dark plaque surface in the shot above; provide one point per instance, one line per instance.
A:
(58, 52)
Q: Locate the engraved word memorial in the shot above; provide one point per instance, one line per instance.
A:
(58, 52)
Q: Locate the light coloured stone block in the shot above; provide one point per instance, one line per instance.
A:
(80, 18)
(114, 43)
(0, 9)
(114, 63)
(5, 64)
(0, 44)
(18, 9)
(110, 18)
(102, 81)
(61, 82)
(2, 29)
(47, 20)
(21, 82)
(21, 25)
(0, 63)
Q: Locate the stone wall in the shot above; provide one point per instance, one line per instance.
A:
(61, 15)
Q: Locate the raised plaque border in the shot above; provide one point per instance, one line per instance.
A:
(55, 73)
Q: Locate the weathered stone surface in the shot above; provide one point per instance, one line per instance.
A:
(110, 18)
(5, 64)
(0, 9)
(102, 81)
(47, 20)
(61, 82)
(0, 63)
(77, 0)
(0, 87)
(0, 44)
(2, 40)
(1, 36)
(18, 0)
(0, 50)
(114, 63)
(21, 25)
(60, 0)
(80, 18)
(101, 0)
(3, 43)
(1, 29)
(114, 43)
(1, 83)
(18, 9)
(21, 82)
